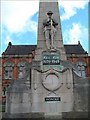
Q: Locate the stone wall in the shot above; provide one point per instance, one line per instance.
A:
(81, 93)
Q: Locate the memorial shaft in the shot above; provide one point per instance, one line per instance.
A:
(56, 40)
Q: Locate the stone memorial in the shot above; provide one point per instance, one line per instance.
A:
(54, 80)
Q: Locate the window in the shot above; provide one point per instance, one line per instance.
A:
(81, 68)
(25, 72)
(8, 70)
(4, 92)
(22, 66)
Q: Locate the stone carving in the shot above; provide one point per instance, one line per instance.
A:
(51, 81)
(50, 30)
(23, 73)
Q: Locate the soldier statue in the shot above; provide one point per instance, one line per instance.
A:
(50, 30)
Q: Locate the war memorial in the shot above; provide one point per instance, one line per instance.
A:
(55, 90)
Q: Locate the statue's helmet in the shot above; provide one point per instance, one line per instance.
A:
(50, 13)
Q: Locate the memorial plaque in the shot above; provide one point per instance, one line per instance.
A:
(52, 99)
(51, 59)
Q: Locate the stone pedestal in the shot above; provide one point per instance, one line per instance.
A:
(52, 85)
(18, 98)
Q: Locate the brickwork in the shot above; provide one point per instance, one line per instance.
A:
(15, 74)
(85, 59)
(17, 60)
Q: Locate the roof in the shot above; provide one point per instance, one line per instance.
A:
(19, 49)
(27, 49)
(74, 49)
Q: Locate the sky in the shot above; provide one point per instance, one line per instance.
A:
(19, 21)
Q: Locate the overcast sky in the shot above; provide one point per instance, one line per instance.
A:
(19, 20)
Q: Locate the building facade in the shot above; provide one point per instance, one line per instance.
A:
(15, 57)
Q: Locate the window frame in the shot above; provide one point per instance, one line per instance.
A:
(8, 70)
(81, 68)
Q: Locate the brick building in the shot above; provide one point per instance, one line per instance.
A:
(16, 56)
